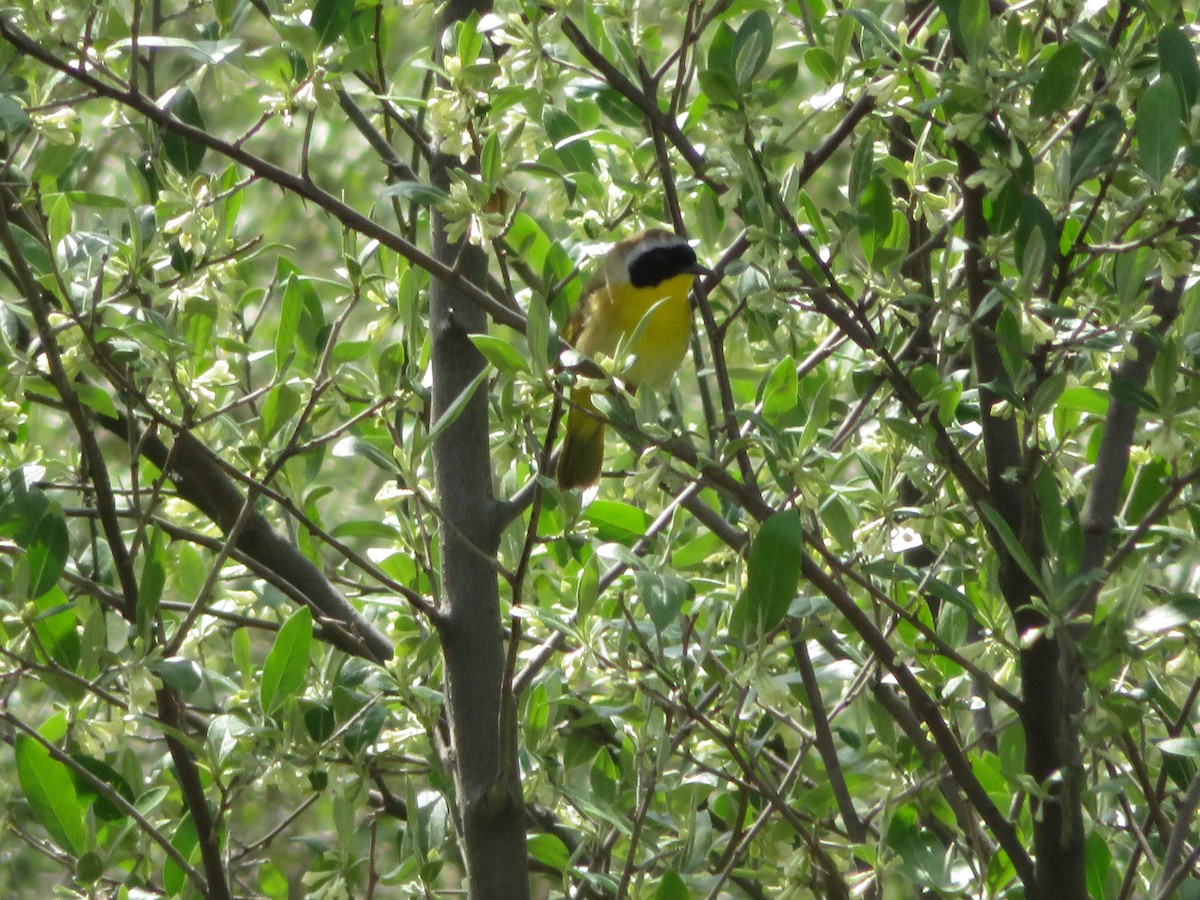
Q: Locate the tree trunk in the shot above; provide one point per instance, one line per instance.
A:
(487, 783)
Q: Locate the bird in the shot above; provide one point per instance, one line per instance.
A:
(645, 277)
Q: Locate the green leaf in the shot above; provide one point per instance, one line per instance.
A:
(32, 250)
(872, 25)
(457, 406)
(821, 63)
(862, 169)
(1183, 609)
(549, 850)
(616, 521)
(1085, 399)
(330, 18)
(1035, 243)
(1177, 61)
(280, 405)
(150, 585)
(500, 353)
(1130, 393)
(1094, 43)
(302, 318)
(100, 201)
(721, 49)
(290, 311)
(1130, 270)
(357, 446)
(46, 551)
(1159, 127)
(319, 722)
(564, 132)
(1047, 394)
(56, 156)
(780, 392)
(470, 39)
(1096, 144)
(720, 88)
(96, 398)
(926, 379)
(1150, 485)
(57, 627)
(351, 351)
(537, 332)
(89, 868)
(366, 729)
(1099, 865)
(1188, 747)
(949, 394)
(185, 840)
(491, 160)
(1013, 546)
(13, 118)
(697, 552)
(184, 154)
(614, 105)
(663, 595)
(918, 851)
(287, 663)
(777, 84)
(1060, 77)
(177, 672)
(671, 887)
(773, 568)
(207, 53)
(604, 777)
(974, 22)
(366, 528)
(239, 645)
(50, 789)
(752, 46)
(874, 218)
(102, 806)
(59, 225)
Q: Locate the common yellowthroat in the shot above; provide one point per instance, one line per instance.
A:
(646, 277)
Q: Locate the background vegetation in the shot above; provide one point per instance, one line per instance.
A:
(895, 596)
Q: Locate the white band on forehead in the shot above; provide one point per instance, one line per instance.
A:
(650, 244)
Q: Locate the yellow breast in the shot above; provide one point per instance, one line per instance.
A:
(661, 343)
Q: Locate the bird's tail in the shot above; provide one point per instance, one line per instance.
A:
(582, 452)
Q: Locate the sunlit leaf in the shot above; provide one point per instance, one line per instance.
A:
(549, 850)
(50, 791)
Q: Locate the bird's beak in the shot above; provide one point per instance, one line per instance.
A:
(697, 269)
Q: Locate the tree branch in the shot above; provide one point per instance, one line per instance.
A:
(1112, 458)
(284, 178)
(646, 104)
(926, 709)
